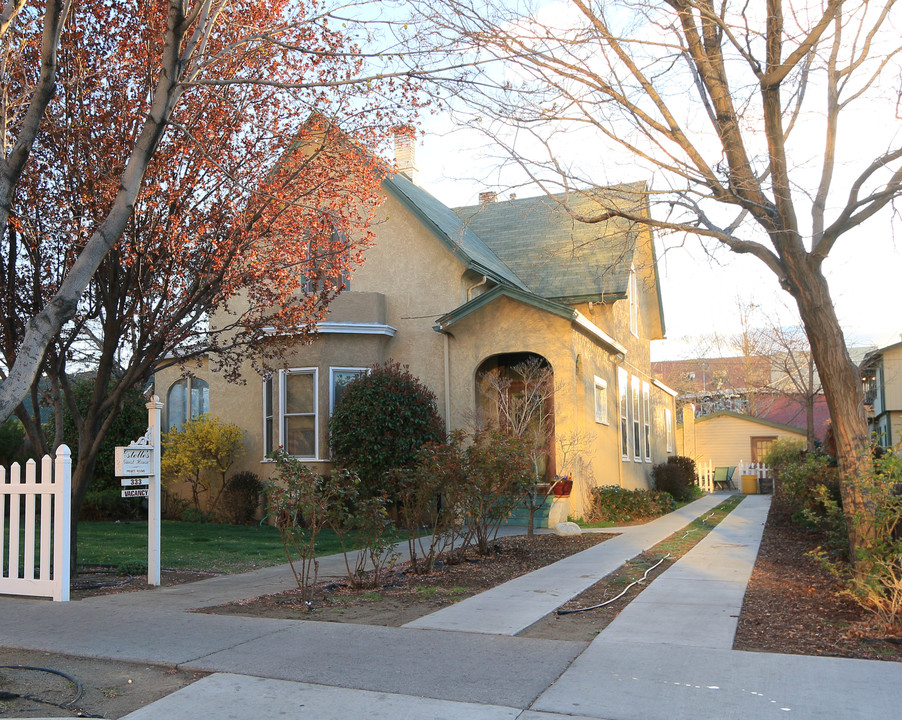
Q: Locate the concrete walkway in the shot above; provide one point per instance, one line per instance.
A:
(666, 656)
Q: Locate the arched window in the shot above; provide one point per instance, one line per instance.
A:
(187, 399)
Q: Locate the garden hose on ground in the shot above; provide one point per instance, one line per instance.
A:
(622, 593)
(79, 689)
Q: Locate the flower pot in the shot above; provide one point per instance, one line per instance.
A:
(563, 487)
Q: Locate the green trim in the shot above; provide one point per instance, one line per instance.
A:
(455, 248)
(513, 293)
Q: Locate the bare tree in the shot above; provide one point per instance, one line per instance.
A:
(521, 401)
(738, 112)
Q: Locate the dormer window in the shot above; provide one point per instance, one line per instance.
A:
(634, 302)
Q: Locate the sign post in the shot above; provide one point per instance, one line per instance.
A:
(138, 465)
(154, 408)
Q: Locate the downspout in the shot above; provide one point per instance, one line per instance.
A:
(485, 279)
(447, 383)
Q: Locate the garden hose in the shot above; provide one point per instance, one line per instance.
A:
(622, 593)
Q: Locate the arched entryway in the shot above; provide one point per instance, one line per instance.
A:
(515, 391)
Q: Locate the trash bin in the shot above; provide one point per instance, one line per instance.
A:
(750, 484)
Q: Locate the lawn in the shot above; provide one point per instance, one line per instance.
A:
(189, 546)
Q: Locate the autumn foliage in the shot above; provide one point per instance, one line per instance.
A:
(260, 187)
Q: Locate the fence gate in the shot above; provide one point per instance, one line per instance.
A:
(34, 535)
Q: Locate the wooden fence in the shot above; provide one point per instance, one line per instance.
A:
(34, 536)
(707, 472)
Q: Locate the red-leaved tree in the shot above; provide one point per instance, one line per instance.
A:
(257, 182)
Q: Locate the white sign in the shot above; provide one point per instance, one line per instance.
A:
(132, 482)
(134, 461)
(135, 493)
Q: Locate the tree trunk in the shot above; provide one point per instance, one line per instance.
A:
(845, 397)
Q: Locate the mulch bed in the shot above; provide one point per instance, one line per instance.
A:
(405, 596)
(794, 606)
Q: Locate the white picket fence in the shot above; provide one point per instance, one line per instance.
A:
(706, 472)
(34, 536)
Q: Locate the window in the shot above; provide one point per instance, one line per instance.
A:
(634, 302)
(338, 381)
(289, 413)
(329, 266)
(601, 401)
(637, 438)
(187, 399)
(668, 428)
(760, 448)
(622, 390)
(646, 419)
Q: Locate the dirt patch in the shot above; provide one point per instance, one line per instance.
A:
(96, 580)
(792, 605)
(584, 624)
(108, 689)
(407, 596)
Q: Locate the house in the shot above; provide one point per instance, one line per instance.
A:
(881, 373)
(727, 438)
(753, 385)
(455, 293)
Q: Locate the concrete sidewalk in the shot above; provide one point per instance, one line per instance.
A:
(667, 656)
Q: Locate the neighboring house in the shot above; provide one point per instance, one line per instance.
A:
(453, 294)
(745, 385)
(728, 438)
(881, 373)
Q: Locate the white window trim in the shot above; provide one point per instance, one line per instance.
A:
(635, 408)
(634, 302)
(646, 417)
(623, 414)
(332, 371)
(601, 388)
(279, 411)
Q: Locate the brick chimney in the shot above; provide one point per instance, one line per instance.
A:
(487, 197)
(405, 152)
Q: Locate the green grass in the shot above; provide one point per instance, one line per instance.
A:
(189, 546)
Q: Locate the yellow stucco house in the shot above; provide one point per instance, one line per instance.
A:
(881, 373)
(453, 293)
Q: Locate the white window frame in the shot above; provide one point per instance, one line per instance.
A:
(280, 391)
(636, 418)
(332, 371)
(646, 419)
(623, 412)
(668, 428)
(601, 401)
(190, 414)
(634, 302)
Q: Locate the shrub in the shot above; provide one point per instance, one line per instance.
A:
(808, 483)
(241, 498)
(301, 512)
(616, 504)
(201, 454)
(108, 504)
(876, 584)
(500, 472)
(12, 439)
(676, 479)
(128, 426)
(431, 498)
(688, 465)
(381, 422)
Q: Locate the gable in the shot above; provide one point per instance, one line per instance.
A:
(748, 422)
(556, 255)
(442, 222)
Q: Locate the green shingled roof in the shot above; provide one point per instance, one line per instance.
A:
(447, 227)
(555, 255)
